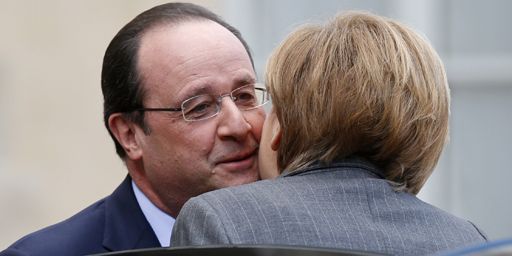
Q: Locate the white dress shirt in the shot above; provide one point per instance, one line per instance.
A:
(160, 221)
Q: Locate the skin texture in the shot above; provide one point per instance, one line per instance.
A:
(177, 159)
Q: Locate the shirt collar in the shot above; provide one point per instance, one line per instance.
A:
(160, 222)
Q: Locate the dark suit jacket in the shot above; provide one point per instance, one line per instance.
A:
(112, 224)
(345, 205)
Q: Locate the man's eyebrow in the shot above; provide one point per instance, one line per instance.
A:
(246, 79)
(209, 89)
(203, 89)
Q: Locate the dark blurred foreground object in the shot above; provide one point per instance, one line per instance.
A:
(493, 248)
(241, 250)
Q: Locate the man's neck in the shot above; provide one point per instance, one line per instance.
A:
(160, 222)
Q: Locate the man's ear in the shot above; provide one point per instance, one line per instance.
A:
(276, 134)
(125, 132)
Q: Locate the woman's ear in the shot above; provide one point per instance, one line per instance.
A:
(269, 143)
(276, 135)
(125, 132)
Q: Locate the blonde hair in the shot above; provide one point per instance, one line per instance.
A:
(360, 85)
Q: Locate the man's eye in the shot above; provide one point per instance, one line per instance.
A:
(245, 96)
(200, 108)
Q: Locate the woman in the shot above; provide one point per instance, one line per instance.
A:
(359, 120)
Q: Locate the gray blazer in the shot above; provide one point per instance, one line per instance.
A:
(345, 205)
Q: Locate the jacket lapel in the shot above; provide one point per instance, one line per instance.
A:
(126, 227)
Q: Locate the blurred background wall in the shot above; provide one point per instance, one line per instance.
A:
(56, 156)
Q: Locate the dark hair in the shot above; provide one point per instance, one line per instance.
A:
(120, 81)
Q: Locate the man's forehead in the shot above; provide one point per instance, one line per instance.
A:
(193, 57)
(184, 31)
(171, 41)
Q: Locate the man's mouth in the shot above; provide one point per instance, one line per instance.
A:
(238, 162)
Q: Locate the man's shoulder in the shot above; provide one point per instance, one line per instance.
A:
(80, 233)
(111, 224)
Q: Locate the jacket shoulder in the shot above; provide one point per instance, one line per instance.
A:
(81, 233)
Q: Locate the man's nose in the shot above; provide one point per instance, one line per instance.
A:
(232, 124)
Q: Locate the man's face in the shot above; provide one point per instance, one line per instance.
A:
(182, 159)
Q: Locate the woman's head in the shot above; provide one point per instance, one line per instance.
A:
(360, 85)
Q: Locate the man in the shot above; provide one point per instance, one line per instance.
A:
(179, 103)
